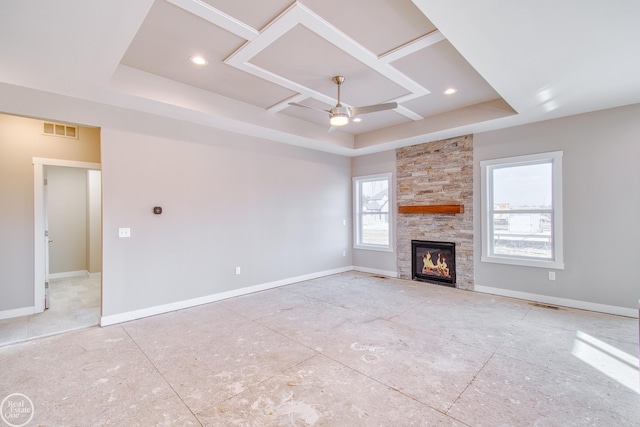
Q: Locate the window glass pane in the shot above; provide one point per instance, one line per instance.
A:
(374, 196)
(521, 187)
(375, 229)
(523, 235)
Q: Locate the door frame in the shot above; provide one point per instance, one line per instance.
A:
(39, 222)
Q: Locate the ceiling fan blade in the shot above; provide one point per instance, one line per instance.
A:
(295, 104)
(356, 111)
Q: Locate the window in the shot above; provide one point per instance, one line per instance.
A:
(522, 210)
(372, 212)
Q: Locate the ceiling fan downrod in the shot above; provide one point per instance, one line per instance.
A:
(338, 80)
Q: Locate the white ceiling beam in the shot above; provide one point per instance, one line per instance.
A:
(216, 17)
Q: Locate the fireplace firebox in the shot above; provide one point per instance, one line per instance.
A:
(434, 262)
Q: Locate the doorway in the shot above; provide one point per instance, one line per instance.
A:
(67, 230)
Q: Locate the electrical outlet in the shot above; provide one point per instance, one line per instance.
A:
(344, 253)
(237, 270)
(552, 275)
(124, 232)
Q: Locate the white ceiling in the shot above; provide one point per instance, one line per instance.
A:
(511, 62)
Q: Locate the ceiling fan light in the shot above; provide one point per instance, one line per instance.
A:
(339, 119)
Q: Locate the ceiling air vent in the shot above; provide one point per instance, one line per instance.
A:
(57, 129)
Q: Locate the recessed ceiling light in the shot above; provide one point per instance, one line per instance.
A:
(450, 91)
(198, 60)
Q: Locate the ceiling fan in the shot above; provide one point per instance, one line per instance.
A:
(339, 115)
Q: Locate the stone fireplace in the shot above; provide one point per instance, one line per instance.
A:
(431, 177)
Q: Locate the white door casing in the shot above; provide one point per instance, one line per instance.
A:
(47, 240)
(39, 226)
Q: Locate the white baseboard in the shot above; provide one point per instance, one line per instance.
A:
(16, 312)
(65, 274)
(564, 302)
(376, 271)
(152, 311)
(95, 275)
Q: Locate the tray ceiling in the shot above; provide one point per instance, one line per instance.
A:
(268, 54)
(510, 63)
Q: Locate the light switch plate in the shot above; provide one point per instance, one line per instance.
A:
(124, 232)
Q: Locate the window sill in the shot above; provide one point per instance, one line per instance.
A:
(556, 265)
(373, 248)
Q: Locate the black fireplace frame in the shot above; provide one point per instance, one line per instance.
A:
(419, 249)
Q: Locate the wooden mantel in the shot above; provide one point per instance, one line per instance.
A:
(431, 209)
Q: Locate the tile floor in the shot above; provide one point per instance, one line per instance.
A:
(345, 350)
(74, 304)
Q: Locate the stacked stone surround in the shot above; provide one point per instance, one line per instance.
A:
(437, 173)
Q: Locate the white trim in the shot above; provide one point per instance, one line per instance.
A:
(387, 273)
(564, 302)
(95, 275)
(496, 259)
(300, 15)
(215, 16)
(378, 248)
(38, 221)
(412, 47)
(179, 305)
(16, 312)
(66, 163)
(65, 274)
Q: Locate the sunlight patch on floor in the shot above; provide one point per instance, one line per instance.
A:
(614, 363)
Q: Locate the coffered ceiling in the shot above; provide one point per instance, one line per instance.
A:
(508, 62)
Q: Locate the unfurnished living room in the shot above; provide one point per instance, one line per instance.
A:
(319, 213)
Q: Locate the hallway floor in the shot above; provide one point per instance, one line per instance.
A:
(350, 349)
(74, 304)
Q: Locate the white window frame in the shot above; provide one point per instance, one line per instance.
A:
(357, 223)
(486, 166)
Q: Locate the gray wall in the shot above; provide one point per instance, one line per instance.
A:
(276, 211)
(67, 217)
(21, 139)
(371, 164)
(235, 201)
(601, 189)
